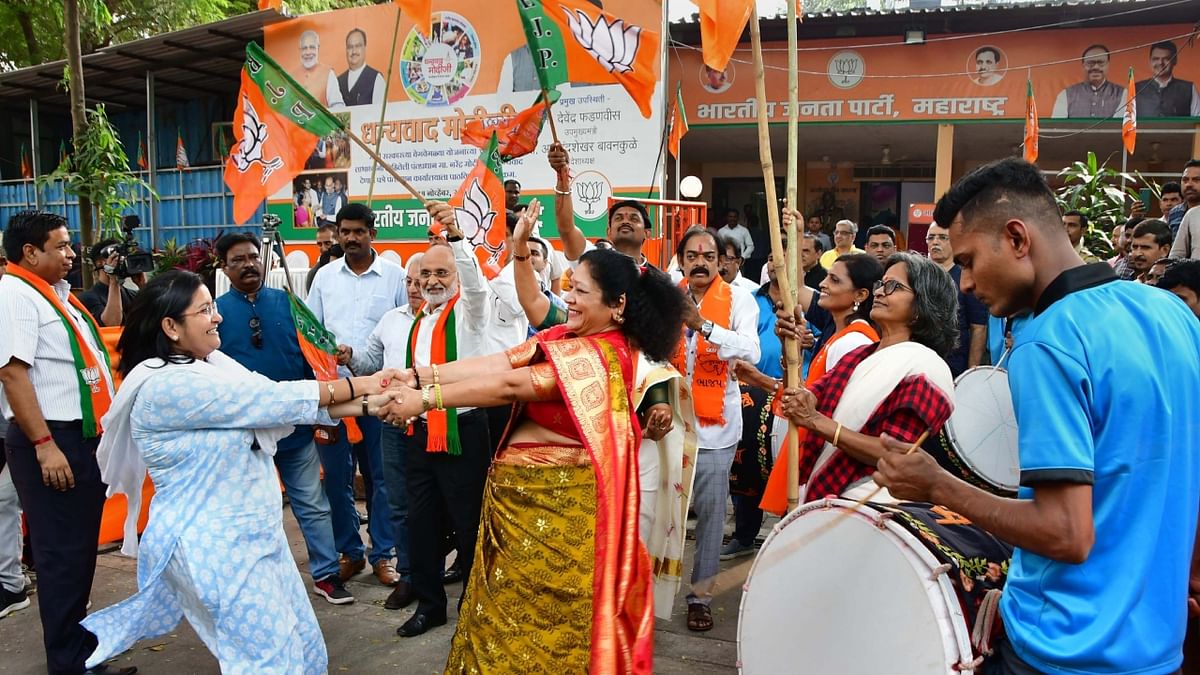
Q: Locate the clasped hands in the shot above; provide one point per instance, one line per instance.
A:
(403, 402)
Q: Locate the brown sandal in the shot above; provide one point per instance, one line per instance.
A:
(699, 618)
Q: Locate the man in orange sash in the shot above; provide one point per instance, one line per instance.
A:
(720, 327)
(57, 385)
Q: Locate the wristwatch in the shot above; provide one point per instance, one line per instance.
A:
(706, 329)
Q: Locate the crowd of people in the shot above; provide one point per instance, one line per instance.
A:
(553, 429)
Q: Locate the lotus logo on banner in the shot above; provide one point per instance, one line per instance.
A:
(614, 46)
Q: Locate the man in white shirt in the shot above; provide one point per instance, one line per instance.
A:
(447, 472)
(729, 265)
(360, 84)
(386, 348)
(733, 229)
(721, 327)
(350, 295)
(57, 385)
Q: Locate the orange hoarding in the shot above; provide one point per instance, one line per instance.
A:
(952, 77)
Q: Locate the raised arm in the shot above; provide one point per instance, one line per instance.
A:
(573, 240)
(535, 303)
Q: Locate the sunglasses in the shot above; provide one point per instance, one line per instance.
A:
(256, 338)
(890, 286)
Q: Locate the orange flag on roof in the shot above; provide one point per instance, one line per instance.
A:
(721, 26)
(479, 208)
(575, 41)
(420, 11)
(679, 123)
(1031, 124)
(1129, 124)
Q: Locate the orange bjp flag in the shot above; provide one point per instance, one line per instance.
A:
(477, 205)
(575, 41)
(420, 11)
(517, 134)
(721, 25)
(1031, 124)
(1129, 124)
(679, 123)
(275, 129)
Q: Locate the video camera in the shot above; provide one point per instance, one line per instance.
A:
(132, 261)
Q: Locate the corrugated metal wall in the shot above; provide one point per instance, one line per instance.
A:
(193, 204)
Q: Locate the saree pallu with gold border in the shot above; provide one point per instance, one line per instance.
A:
(561, 581)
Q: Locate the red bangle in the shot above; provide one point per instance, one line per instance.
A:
(43, 440)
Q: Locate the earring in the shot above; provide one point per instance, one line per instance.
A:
(174, 338)
(856, 306)
(619, 318)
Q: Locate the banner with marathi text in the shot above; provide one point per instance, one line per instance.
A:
(964, 78)
(474, 66)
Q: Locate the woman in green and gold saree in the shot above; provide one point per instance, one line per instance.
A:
(562, 581)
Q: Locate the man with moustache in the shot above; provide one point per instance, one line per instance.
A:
(987, 64)
(1170, 197)
(1076, 224)
(1151, 241)
(1104, 524)
(57, 385)
(1190, 190)
(350, 295)
(1096, 96)
(360, 84)
(1121, 236)
(813, 226)
(317, 78)
(258, 332)
(448, 458)
(720, 328)
(972, 315)
(1164, 95)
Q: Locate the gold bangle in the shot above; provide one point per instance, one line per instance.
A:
(329, 387)
(437, 393)
(436, 377)
(426, 403)
(837, 434)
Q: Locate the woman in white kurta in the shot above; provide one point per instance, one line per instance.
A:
(214, 549)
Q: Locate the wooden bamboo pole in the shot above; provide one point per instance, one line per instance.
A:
(386, 167)
(783, 271)
(387, 84)
(793, 167)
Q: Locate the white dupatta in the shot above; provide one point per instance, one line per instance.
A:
(871, 383)
(121, 464)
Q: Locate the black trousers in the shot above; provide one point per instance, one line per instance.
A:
(497, 420)
(67, 526)
(439, 481)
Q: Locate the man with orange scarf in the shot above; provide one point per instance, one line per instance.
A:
(57, 385)
(720, 327)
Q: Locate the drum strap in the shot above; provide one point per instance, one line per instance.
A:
(985, 622)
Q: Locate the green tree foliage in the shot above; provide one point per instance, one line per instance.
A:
(1096, 190)
(31, 31)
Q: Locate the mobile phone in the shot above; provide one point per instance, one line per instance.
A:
(1146, 195)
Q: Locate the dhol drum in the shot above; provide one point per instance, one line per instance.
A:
(979, 441)
(908, 588)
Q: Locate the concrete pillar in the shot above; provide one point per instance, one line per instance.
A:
(945, 160)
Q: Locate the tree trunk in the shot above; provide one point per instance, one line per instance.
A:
(78, 122)
(31, 42)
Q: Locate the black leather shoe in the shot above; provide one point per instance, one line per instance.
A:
(452, 575)
(105, 669)
(419, 623)
(402, 596)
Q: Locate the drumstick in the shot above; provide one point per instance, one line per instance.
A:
(723, 581)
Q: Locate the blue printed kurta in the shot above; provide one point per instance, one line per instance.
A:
(214, 549)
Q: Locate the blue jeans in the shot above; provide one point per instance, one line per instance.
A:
(339, 487)
(395, 476)
(300, 471)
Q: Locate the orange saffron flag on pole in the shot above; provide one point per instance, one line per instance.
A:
(722, 23)
(1031, 124)
(420, 12)
(679, 123)
(1129, 124)
(517, 134)
(477, 205)
(575, 41)
(276, 5)
(275, 128)
(26, 165)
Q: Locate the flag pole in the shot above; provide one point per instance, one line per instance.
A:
(550, 114)
(782, 271)
(793, 147)
(387, 84)
(386, 167)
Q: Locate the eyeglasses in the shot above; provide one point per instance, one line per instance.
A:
(256, 332)
(439, 274)
(890, 286)
(208, 309)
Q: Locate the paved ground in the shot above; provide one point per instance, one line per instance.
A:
(361, 637)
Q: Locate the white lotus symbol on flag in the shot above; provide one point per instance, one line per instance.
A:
(254, 138)
(614, 45)
(475, 218)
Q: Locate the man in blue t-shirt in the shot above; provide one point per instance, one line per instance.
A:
(1105, 521)
(257, 331)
